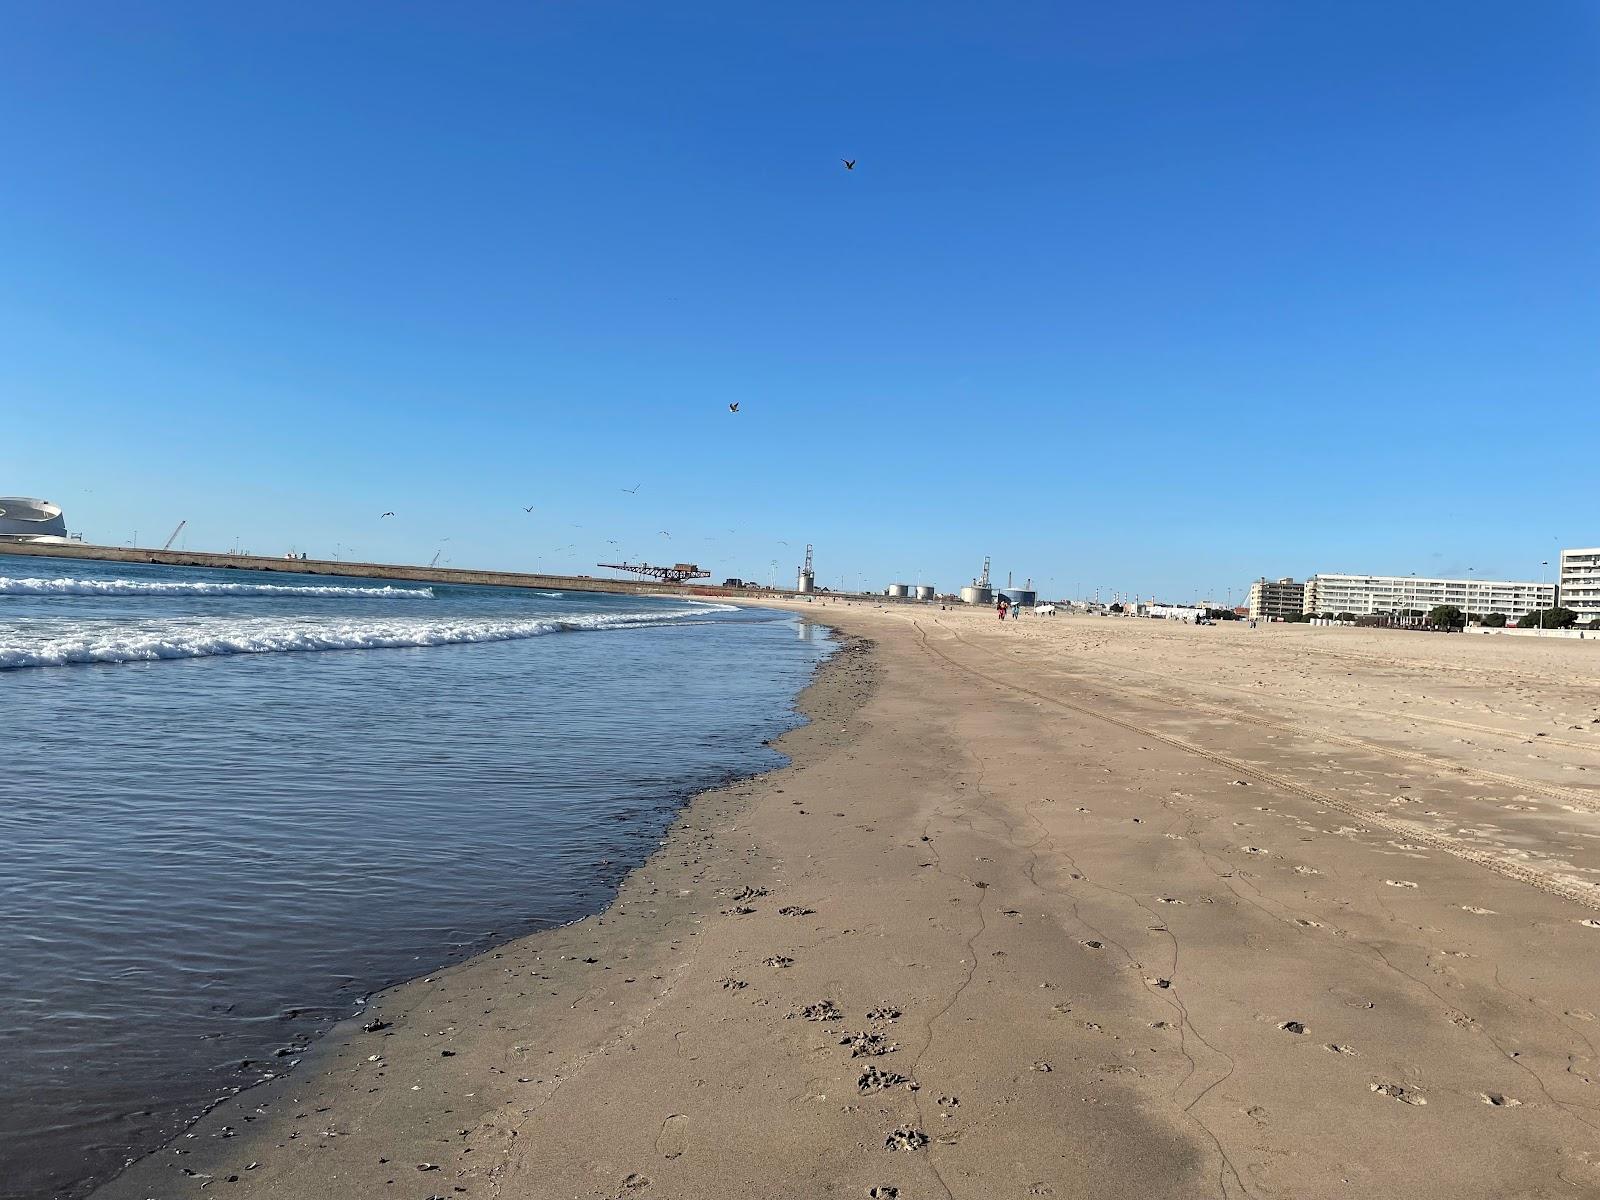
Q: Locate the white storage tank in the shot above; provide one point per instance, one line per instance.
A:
(899, 591)
(926, 591)
(976, 594)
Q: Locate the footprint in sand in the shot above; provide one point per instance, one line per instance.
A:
(1398, 1092)
(883, 1192)
(906, 1137)
(778, 960)
(1482, 912)
(635, 1182)
(1307, 871)
(795, 910)
(729, 984)
(874, 1080)
(673, 1139)
(1254, 850)
(863, 1044)
(1094, 944)
(1496, 1100)
(822, 1010)
(1589, 923)
(1336, 1048)
(885, 1014)
(1292, 1027)
(1400, 883)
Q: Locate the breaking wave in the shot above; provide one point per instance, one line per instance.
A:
(266, 635)
(135, 587)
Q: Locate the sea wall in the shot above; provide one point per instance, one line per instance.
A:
(358, 570)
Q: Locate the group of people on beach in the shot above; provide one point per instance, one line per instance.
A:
(1005, 606)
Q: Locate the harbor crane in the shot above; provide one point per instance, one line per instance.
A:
(677, 573)
(175, 534)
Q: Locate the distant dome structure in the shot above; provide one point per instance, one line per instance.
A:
(25, 520)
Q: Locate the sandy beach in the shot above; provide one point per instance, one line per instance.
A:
(1073, 907)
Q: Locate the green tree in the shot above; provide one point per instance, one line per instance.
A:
(1347, 616)
(1549, 618)
(1495, 620)
(1447, 615)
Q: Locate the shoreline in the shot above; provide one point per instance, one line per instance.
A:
(1048, 908)
(223, 1135)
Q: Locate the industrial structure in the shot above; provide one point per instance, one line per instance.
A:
(899, 591)
(1020, 597)
(1580, 582)
(1272, 600)
(979, 591)
(1365, 595)
(925, 591)
(26, 520)
(677, 573)
(806, 580)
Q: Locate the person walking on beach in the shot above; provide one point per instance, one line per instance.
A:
(1001, 608)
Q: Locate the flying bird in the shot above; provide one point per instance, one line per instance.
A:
(382, 515)
(849, 163)
(733, 408)
(665, 534)
(529, 508)
(634, 490)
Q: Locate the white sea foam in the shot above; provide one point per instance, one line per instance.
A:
(139, 587)
(207, 637)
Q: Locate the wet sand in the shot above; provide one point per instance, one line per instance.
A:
(1071, 907)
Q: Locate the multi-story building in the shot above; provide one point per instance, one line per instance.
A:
(1364, 595)
(1272, 599)
(1580, 583)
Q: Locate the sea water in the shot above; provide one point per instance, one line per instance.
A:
(232, 803)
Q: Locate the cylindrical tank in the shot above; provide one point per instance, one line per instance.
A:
(973, 594)
(926, 591)
(899, 590)
(1020, 597)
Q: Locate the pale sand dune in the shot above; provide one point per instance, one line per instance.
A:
(1073, 907)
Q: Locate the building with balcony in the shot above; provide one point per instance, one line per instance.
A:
(1272, 600)
(1365, 595)
(1580, 583)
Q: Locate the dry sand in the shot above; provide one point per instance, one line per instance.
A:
(1074, 907)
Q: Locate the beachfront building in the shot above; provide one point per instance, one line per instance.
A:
(1274, 599)
(25, 520)
(1580, 583)
(1365, 595)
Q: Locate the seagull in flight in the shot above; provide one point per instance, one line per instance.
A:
(733, 407)
(634, 490)
(529, 508)
(382, 515)
(849, 163)
(665, 534)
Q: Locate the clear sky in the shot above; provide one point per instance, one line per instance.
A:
(1157, 296)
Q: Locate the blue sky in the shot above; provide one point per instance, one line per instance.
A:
(1154, 297)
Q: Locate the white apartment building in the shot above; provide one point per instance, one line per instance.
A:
(1580, 583)
(1367, 594)
(1272, 599)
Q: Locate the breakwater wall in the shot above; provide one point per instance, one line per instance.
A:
(361, 570)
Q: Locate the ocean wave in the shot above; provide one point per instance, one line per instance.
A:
(265, 635)
(136, 587)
